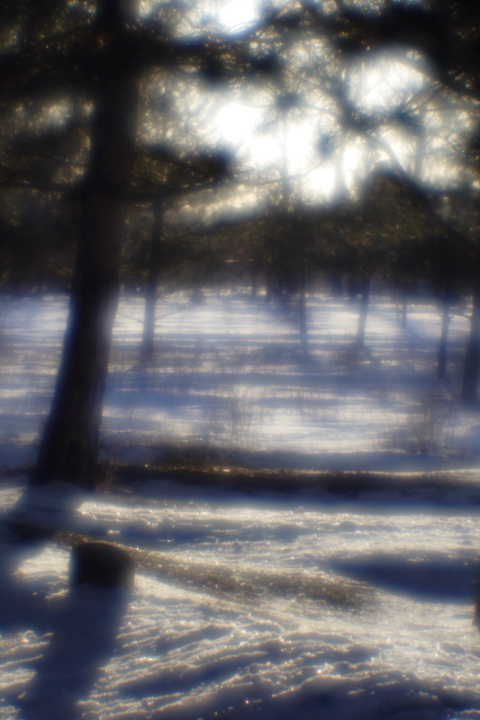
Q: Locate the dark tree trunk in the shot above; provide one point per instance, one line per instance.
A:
(442, 348)
(336, 284)
(362, 318)
(302, 308)
(403, 292)
(402, 299)
(404, 313)
(254, 272)
(472, 357)
(70, 441)
(148, 339)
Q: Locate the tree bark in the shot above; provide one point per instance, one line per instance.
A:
(336, 284)
(402, 300)
(70, 440)
(472, 357)
(443, 344)
(362, 318)
(302, 307)
(148, 339)
(404, 313)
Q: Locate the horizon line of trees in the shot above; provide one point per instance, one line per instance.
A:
(105, 116)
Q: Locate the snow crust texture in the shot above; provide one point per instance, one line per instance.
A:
(176, 647)
(246, 605)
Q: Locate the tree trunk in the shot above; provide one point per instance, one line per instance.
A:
(254, 272)
(70, 441)
(472, 357)
(402, 299)
(302, 308)
(442, 348)
(336, 284)
(404, 313)
(362, 318)
(148, 339)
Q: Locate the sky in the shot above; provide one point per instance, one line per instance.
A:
(322, 145)
(234, 15)
(322, 129)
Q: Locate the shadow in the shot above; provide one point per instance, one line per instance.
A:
(25, 531)
(209, 382)
(372, 697)
(298, 477)
(84, 630)
(341, 685)
(79, 624)
(435, 577)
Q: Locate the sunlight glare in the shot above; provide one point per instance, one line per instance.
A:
(236, 15)
(237, 121)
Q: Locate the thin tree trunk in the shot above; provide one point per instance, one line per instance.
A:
(70, 441)
(442, 348)
(362, 318)
(403, 293)
(472, 357)
(336, 284)
(254, 272)
(148, 339)
(404, 314)
(303, 308)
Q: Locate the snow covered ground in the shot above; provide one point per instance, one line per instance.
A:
(260, 604)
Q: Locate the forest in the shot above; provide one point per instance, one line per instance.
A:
(151, 143)
(239, 349)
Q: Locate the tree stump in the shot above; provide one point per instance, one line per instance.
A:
(101, 565)
(476, 608)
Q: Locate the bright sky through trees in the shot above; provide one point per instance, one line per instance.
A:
(234, 15)
(326, 122)
(322, 156)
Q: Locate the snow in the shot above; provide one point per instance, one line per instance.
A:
(259, 603)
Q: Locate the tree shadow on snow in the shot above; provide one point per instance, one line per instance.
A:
(376, 696)
(84, 637)
(79, 626)
(432, 576)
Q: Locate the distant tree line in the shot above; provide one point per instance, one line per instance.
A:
(95, 155)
